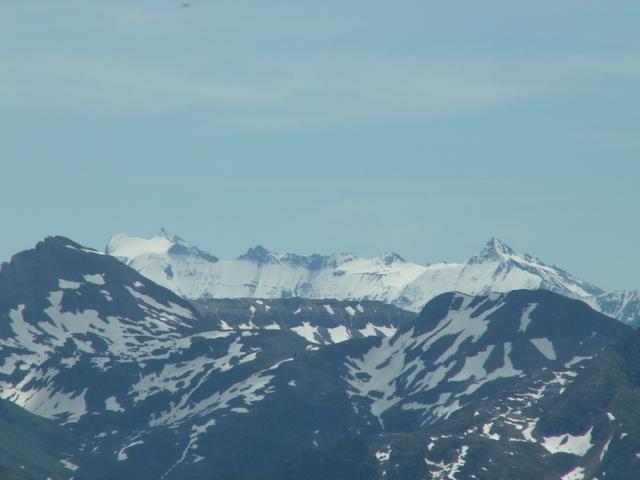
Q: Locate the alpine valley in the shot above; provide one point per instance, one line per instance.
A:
(156, 360)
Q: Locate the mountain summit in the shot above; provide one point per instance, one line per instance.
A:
(494, 250)
(258, 254)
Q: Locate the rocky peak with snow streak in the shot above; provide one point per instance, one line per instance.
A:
(258, 254)
(62, 294)
(389, 258)
(494, 250)
(462, 348)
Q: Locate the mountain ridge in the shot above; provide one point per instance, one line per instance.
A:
(261, 273)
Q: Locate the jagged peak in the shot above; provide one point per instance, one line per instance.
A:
(497, 245)
(164, 234)
(259, 254)
(315, 261)
(171, 238)
(494, 250)
(389, 258)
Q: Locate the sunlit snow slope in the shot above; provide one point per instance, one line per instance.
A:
(260, 273)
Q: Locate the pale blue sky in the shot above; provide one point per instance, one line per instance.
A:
(415, 126)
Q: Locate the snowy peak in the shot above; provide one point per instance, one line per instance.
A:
(259, 255)
(60, 291)
(262, 273)
(621, 304)
(127, 248)
(494, 251)
(389, 258)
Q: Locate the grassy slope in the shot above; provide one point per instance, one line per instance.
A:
(32, 442)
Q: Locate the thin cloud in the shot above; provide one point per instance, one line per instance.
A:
(289, 92)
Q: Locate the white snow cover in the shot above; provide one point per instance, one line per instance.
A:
(545, 347)
(385, 377)
(97, 279)
(621, 304)
(126, 339)
(387, 278)
(448, 471)
(525, 320)
(339, 334)
(122, 454)
(486, 431)
(575, 474)
(69, 465)
(68, 284)
(112, 405)
(127, 246)
(574, 444)
(307, 331)
(474, 366)
(383, 455)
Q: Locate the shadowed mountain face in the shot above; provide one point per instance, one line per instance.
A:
(153, 387)
(32, 447)
(463, 348)
(318, 321)
(578, 423)
(388, 278)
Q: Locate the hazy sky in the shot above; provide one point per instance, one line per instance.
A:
(415, 126)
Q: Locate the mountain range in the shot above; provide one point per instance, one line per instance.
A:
(259, 273)
(106, 374)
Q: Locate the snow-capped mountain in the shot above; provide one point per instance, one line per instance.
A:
(154, 387)
(621, 304)
(131, 367)
(496, 268)
(464, 347)
(260, 273)
(497, 386)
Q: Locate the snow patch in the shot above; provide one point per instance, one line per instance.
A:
(448, 471)
(68, 284)
(575, 474)
(574, 444)
(383, 455)
(97, 279)
(112, 405)
(545, 347)
(307, 331)
(122, 454)
(339, 334)
(525, 320)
